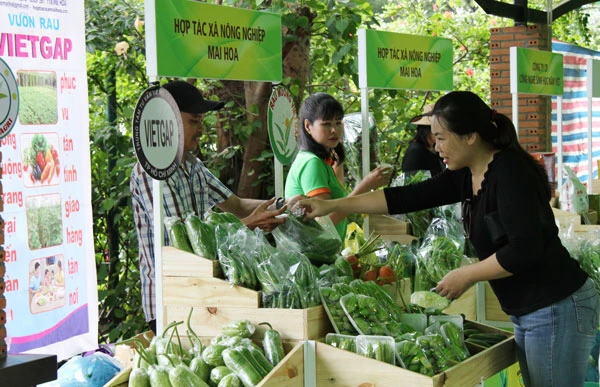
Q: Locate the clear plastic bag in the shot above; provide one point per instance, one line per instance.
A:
(345, 342)
(238, 252)
(380, 348)
(330, 297)
(353, 145)
(573, 195)
(317, 239)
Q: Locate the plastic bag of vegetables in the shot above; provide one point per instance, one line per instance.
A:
(585, 249)
(316, 238)
(238, 252)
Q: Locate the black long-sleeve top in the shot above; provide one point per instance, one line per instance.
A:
(543, 271)
(418, 157)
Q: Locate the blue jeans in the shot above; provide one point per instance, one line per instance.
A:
(554, 343)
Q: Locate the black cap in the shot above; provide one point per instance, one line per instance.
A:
(189, 99)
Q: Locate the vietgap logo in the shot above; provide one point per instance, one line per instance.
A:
(9, 99)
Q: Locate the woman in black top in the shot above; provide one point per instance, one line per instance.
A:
(505, 195)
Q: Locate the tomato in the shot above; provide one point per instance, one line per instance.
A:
(370, 275)
(353, 260)
(386, 275)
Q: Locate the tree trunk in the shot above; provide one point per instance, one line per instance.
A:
(295, 56)
(256, 93)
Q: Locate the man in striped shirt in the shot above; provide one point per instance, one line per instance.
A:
(192, 188)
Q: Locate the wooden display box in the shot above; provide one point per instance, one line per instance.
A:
(336, 367)
(288, 373)
(466, 304)
(390, 229)
(565, 218)
(192, 281)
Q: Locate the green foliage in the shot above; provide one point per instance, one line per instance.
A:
(115, 82)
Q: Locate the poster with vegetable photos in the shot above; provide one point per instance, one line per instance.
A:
(50, 280)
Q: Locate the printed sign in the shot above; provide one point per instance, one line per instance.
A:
(9, 99)
(536, 72)
(50, 281)
(282, 121)
(158, 133)
(389, 60)
(200, 40)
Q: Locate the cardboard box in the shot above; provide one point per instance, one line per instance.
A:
(192, 281)
(336, 367)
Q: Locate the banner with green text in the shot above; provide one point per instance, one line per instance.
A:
(389, 60)
(535, 72)
(200, 40)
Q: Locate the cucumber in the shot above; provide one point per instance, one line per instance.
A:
(240, 328)
(177, 234)
(182, 376)
(230, 380)
(139, 378)
(272, 345)
(237, 360)
(201, 236)
(218, 373)
(213, 355)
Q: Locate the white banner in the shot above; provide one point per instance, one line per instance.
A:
(51, 293)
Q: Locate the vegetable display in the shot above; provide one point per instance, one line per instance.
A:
(230, 360)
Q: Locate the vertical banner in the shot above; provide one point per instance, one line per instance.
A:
(51, 292)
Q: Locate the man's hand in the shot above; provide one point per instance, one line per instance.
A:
(264, 218)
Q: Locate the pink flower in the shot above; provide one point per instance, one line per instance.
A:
(469, 72)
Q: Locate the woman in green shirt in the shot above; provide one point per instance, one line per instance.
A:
(321, 154)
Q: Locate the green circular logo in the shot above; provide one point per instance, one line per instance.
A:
(9, 99)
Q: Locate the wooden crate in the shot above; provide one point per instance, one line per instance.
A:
(288, 373)
(467, 304)
(336, 367)
(390, 229)
(586, 227)
(596, 186)
(564, 218)
(192, 281)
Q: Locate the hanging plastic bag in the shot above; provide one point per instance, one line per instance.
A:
(573, 195)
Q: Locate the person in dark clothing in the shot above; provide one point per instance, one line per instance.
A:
(505, 195)
(420, 154)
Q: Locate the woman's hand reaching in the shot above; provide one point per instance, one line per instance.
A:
(264, 218)
(378, 177)
(312, 208)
